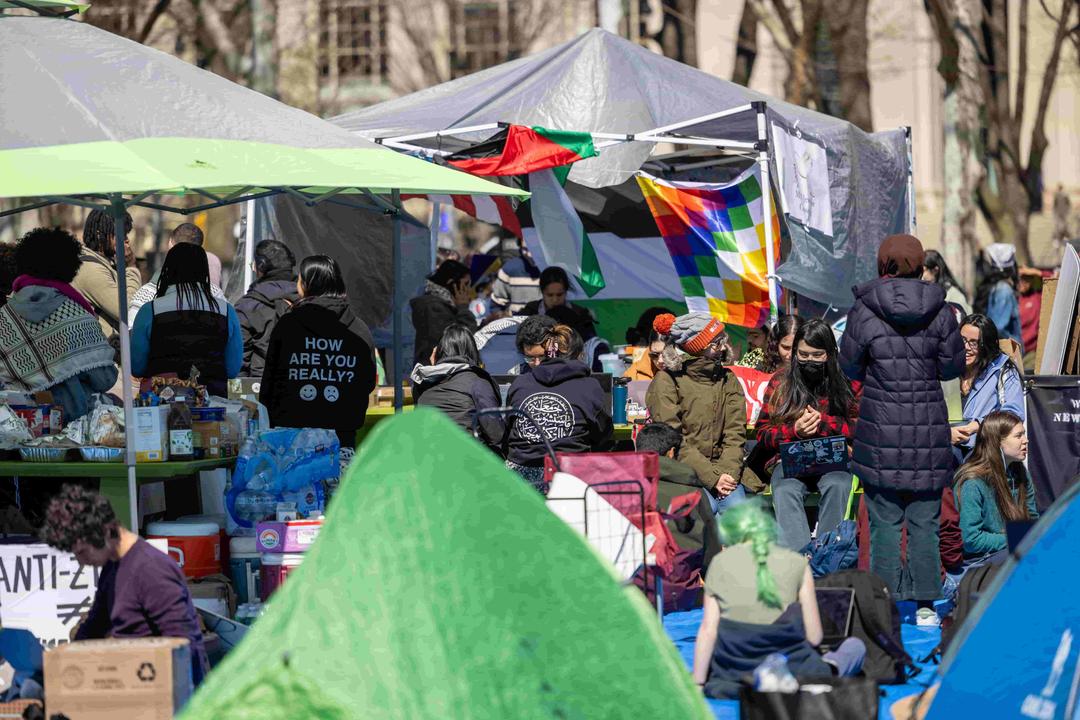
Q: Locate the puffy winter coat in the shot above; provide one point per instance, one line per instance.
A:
(459, 389)
(901, 341)
(705, 403)
(569, 406)
(258, 310)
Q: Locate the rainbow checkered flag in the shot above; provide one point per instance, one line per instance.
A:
(716, 237)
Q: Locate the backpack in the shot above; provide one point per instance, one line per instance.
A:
(972, 585)
(876, 622)
(836, 550)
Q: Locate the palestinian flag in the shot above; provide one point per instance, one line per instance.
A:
(545, 156)
(492, 209)
(520, 150)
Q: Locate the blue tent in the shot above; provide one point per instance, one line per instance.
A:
(1018, 653)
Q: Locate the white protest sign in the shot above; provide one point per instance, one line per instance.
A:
(322, 363)
(804, 180)
(44, 591)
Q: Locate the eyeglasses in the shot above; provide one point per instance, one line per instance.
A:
(969, 343)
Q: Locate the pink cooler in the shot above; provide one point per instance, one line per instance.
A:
(275, 568)
(196, 546)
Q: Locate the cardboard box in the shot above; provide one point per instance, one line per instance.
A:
(383, 396)
(136, 679)
(152, 434)
(294, 536)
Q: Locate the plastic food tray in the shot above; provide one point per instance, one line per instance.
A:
(102, 454)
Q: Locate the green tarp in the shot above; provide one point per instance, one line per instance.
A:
(442, 587)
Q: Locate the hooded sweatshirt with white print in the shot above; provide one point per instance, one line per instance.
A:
(459, 389)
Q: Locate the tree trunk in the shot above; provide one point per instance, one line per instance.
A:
(745, 47)
(297, 39)
(1007, 209)
(849, 41)
(677, 37)
(800, 86)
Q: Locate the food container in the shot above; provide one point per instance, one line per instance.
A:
(102, 454)
(195, 545)
(294, 536)
(44, 454)
(206, 430)
(274, 570)
(35, 416)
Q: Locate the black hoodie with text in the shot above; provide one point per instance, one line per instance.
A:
(320, 368)
(569, 406)
(901, 341)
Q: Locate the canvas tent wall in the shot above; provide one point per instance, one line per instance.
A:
(630, 98)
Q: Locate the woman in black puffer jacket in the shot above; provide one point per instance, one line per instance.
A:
(901, 341)
(456, 384)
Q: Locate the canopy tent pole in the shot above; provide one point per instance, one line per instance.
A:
(767, 209)
(119, 210)
(249, 244)
(397, 294)
(435, 226)
(910, 181)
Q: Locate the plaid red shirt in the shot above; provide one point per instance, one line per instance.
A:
(771, 434)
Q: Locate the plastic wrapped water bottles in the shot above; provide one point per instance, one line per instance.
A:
(773, 675)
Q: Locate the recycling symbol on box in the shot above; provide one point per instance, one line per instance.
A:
(146, 672)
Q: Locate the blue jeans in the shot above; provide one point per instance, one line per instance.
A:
(719, 505)
(889, 511)
(789, 498)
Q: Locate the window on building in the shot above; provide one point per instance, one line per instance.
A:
(352, 41)
(485, 34)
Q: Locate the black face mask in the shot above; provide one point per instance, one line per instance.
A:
(813, 371)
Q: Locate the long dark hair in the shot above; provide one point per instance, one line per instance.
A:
(187, 269)
(989, 282)
(793, 394)
(943, 276)
(321, 277)
(988, 463)
(457, 342)
(786, 325)
(989, 348)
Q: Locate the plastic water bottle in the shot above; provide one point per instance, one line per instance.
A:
(773, 675)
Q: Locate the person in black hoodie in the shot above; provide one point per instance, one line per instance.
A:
(901, 341)
(320, 361)
(456, 383)
(445, 302)
(567, 404)
(269, 297)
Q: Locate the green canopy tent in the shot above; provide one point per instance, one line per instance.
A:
(96, 120)
(442, 587)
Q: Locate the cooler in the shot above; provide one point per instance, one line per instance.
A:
(195, 545)
(244, 568)
(275, 568)
(218, 519)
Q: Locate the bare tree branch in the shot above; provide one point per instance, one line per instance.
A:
(1021, 70)
(1039, 141)
(746, 46)
(148, 26)
(772, 23)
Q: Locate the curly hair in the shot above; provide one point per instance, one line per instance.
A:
(78, 514)
(534, 330)
(48, 253)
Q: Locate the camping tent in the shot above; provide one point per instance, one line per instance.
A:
(1018, 652)
(442, 587)
(630, 99)
(93, 119)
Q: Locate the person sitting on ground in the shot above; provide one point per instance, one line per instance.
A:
(759, 600)
(781, 343)
(699, 397)
(757, 342)
(141, 591)
(810, 399)
(186, 327)
(650, 363)
(566, 403)
(554, 286)
(320, 361)
(518, 281)
(268, 298)
(990, 381)
(698, 530)
(97, 279)
(996, 296)
(445, 302)
(936, 271)
(182, 233)
(456, 383)
(50, 338)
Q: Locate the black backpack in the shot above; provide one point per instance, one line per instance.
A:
(876, 622)
(974, 583)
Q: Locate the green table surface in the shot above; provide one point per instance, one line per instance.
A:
(143, 471)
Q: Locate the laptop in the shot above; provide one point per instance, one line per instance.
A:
(836, 607)
(816, 456)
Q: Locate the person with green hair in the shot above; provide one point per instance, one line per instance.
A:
(760, 600)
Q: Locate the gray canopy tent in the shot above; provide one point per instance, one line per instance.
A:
(630, 99)
(95, 120)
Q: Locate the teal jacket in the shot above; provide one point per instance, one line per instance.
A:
(981, 525)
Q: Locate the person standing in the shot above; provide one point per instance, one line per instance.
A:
(141, 591)
(901, 341)
(699, 397)
(269, 297)
(1031, 285)
(182, 233)
(996, 297)
(935, 270)
(518, 281)
(445, 302)
(320, 361)
(1060, 210)
(97, 279)
(186, 327)
(811, 398)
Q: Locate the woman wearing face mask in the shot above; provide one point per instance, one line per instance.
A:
(993, 488)
(811, 398)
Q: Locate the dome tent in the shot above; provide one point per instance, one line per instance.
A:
(442, 587)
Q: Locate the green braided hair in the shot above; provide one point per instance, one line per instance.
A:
(748, 522)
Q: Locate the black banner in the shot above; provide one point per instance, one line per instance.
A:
(1053, 424)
